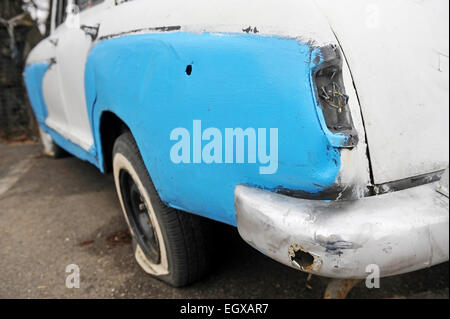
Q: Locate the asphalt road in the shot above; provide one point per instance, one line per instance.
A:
(59, 212)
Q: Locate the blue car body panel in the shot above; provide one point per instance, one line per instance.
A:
(34, 77)
(237, 81)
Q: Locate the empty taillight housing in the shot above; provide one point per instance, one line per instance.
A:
(331, 95)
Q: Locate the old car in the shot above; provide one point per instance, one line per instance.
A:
(319, 128)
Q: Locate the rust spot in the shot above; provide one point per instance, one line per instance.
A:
(303, 259)
(86, 242)
(339, 288)
(308, 279)
(120, 238)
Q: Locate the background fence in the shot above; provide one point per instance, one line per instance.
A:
(17, 121)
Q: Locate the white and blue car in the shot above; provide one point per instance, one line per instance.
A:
(319, 128)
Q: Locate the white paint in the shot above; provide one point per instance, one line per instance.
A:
(289, 18)
(52, 88)
(14, 174)
(398, 54)
(71, 56)
(42, 52)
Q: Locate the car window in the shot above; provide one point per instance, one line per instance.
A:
(62, 4)
(60, 12)
(85, 4)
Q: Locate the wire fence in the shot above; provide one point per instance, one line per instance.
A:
(17, 122)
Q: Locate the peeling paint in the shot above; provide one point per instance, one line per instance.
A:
(142, 30)
(250, 29)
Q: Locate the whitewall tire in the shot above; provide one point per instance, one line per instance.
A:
(168, 244)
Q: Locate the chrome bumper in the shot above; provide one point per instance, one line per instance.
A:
(400, 232)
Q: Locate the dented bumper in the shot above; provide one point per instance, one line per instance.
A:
(400, 232)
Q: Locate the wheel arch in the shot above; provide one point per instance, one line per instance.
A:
(111, 127)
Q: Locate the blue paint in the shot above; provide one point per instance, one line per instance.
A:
(236, 81)
(34, 77)
(74, 149)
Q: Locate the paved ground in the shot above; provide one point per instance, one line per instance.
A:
(57, 212)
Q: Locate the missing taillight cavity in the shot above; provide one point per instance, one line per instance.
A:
(331, 94)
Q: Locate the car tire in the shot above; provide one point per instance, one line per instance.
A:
(49, 147)
(168, 244)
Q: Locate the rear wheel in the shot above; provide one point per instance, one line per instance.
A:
(168, 244)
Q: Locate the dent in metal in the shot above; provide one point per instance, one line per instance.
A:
(400, 232)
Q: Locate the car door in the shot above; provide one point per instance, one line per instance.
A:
(76, 38)
(51, 84)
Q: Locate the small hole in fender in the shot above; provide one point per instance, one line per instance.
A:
(189, 69)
